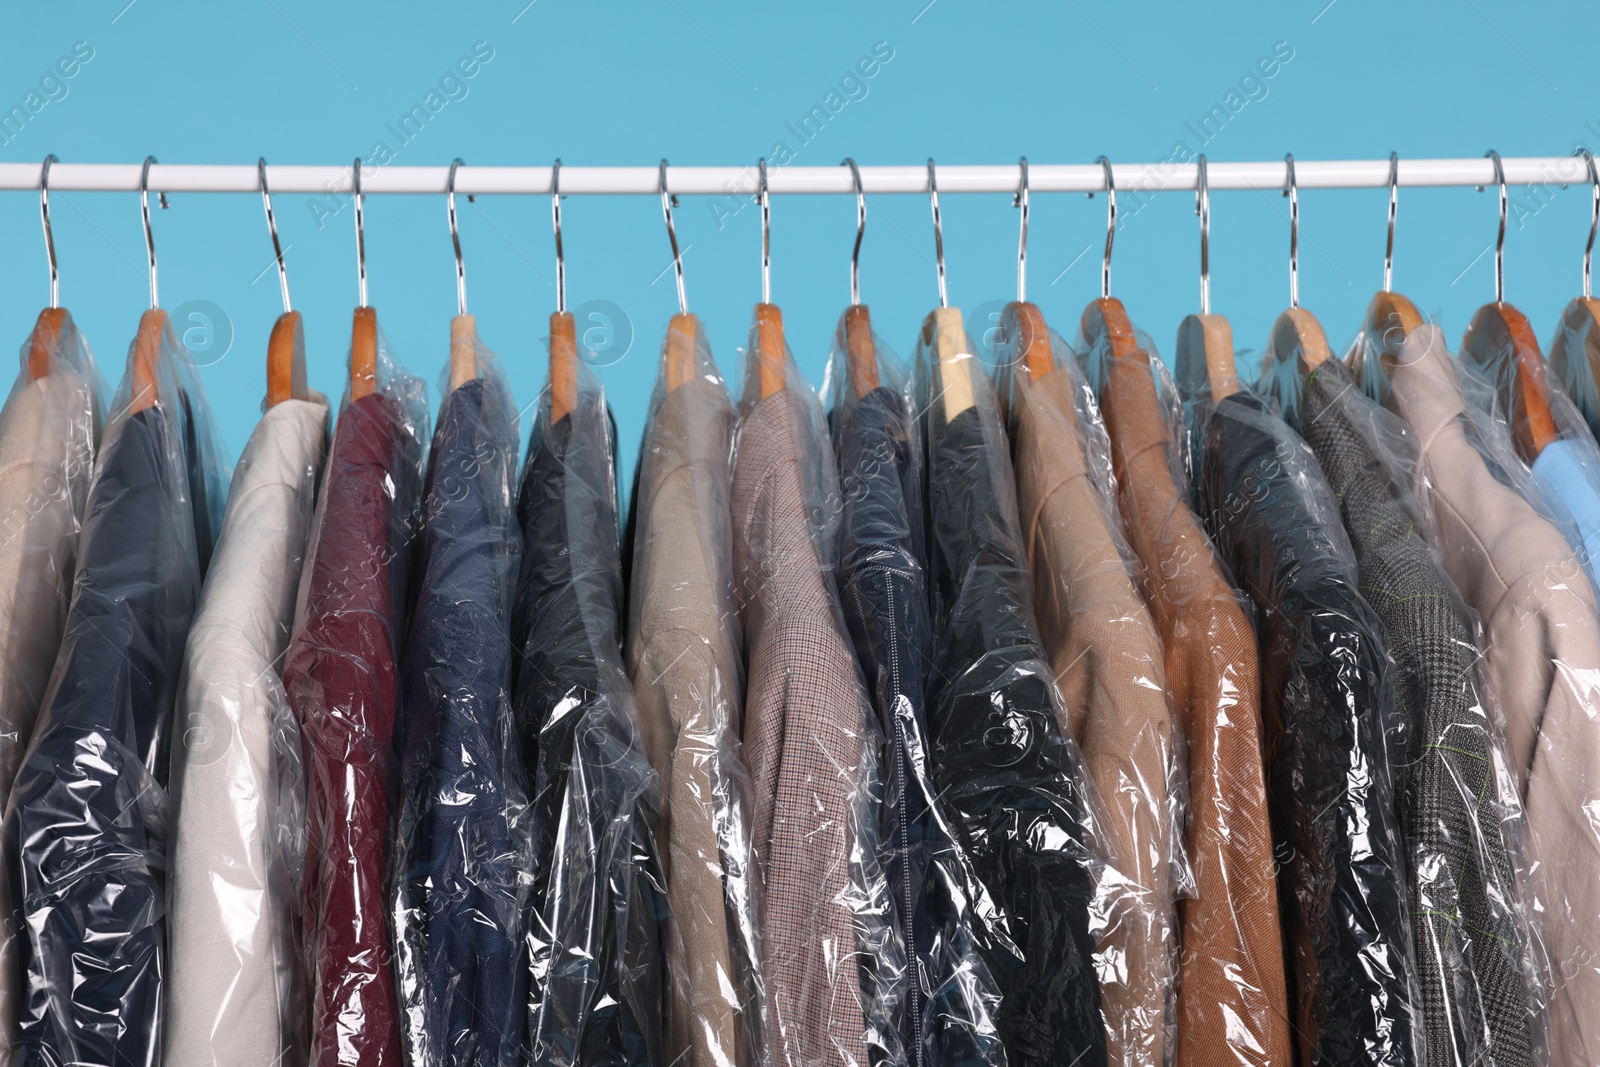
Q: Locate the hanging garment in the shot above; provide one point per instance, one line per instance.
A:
(463, 840)
(1541, 665)
(48, 432)
(1327, 703)
(684, 659)
(1464, 899)
(340, 677)
(239, 847)
(1106, 657)
(1014, 786)
(1568, 472)
(1232, 1003)
(948, 1000)
(828, 952)
(86, 829)
(598, 901)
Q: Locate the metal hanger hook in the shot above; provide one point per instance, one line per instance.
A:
(861, 228)
(555, 221)
(149, 236)
(1111, 227)
(1021, 201)
(1292, 191)
(766, 233)
(49, 234)
(1594, 221)
(1202, 207)
(455, 236)
(1500, 239)
(938, 234)
(361, 238)
(272, 228)
(1394, 206)
(667, 202)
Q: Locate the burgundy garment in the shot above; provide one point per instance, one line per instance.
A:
(340, 676)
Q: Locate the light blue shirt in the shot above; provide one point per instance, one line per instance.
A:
(1569, 476)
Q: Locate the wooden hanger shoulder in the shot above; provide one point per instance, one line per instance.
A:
(1498, 332)
(363, 353)
(145, 371)
(463, 350)
(1298, 331)
(945, 332)
(1105, 321)
(46, 340)
(861, 355)
(286, 360)
(682, 361)
(771, 356)
(1389, 321)
(1205, 356)
(563, 365)
(1034, 352)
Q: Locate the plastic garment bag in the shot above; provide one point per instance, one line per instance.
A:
(1331, 719)
(238, 790)
(1015, 788)
(598, 902)
(1460, 813)
(1105, 655)
(1232, 1006)
(948, 1001)
(86, 829)
(49, 428)
(829, 955)
(1541, 664)
(340, 675)
(684, 655)
(462, 845)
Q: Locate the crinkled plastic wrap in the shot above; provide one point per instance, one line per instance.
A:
(1541, 663)
(598, 904)
(341, 677)
(1331, 717)
(235, 994)
(829, 955)
(949, 1003)
(1014, 786)
(1232, 1005)
(685, 657)
(86, 829)
(1460, 813)
(463, 846)
(1570, 362)
(48, 432)
(1106, 656)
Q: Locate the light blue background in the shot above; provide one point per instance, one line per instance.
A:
(715, 82)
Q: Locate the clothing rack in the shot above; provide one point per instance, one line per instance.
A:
(1168, 176)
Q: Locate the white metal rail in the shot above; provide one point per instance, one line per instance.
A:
(1170, 176)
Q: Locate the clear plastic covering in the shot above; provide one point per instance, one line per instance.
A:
(1331, 720)
(598, 903)
(1015, 788)
(237, 784)
(829, 957)
(463, 846)
(948, 1003)
(1232, 1005)
(1573, 359)
(86, 829)
(341, 677)
(684, 655)
(1541, 663)
(1106, 657)
(49, 428)
(1460, 813)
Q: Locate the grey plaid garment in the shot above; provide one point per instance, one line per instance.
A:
(807, 736)
(1474, 999)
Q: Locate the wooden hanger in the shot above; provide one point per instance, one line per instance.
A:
(1205, 341)
(1106, 321)
(144, 371)
(364, 353)
(681, 357)
(46, 340)
(860, 354)
(770, 354)
(563, 365)
(463, 350)
(1389, 321)
(1299, 332)
(943, 331)
(1034, 352)
(1577, 340)
(286, 360)
(1497, 332)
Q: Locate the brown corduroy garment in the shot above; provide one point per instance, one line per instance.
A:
(1106, 656)
(683, 656)
(805, 741)
(1232, 1000)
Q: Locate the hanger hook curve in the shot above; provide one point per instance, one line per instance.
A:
(1394, 206)
(149, 236)
(938, 234)
(861, 228)
(272, 228)
(1021, 201)
(766, 233)
(1111, 227)
(361, 237)
(1202, 207)
(1292, 191)
(455, 237)
(1594, 221)
(667, 201)
(555, 221)
(1500, 238)
(49, 233)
